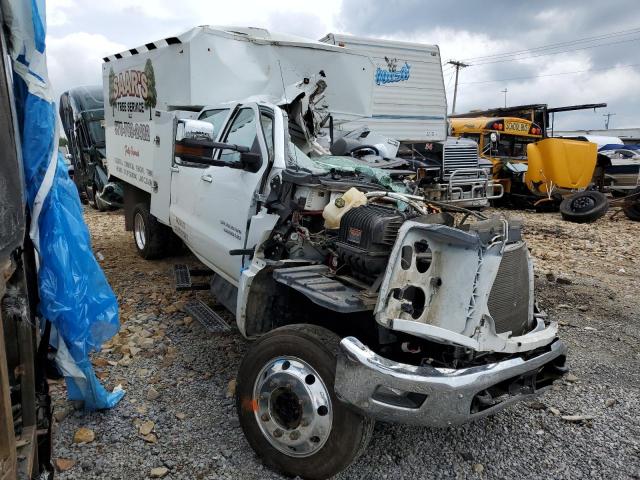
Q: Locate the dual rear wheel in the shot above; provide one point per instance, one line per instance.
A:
(153, 239)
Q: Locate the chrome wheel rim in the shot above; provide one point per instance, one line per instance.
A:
(139, 232)
(292, 406)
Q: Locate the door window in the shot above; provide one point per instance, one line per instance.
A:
(266, 121)
(215, 118)
(243, 132)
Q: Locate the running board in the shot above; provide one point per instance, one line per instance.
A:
(209, 319)
(183, 275)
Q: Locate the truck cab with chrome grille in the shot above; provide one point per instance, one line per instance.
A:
(452, 171)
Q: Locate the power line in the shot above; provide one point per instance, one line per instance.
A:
(554, 46)
(554, 53)
(449, 81)
(551, 74)
(557, 45)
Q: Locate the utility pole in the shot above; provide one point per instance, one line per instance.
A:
(505, 96)
(458, 66)
(606, 122)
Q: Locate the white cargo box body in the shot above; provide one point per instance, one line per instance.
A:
(409, 100)
(213, 65)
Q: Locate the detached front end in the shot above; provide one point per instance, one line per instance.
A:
(461, 304)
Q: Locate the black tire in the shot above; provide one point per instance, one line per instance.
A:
(631, 206)
(90, 192)
(350, 431)
(584, 207)
(152, 239)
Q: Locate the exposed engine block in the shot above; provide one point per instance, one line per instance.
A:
(366, 237)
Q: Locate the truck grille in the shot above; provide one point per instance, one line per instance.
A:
(457, 156)
(509, 298)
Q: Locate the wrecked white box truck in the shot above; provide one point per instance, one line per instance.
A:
(410, 105)
(367, 300)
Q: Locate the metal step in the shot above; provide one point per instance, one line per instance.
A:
(321, 287)
(183, 275)
(209, 319)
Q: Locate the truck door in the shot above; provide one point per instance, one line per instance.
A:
(227, 196)
(186, 182)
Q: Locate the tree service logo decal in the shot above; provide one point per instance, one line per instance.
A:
(133, 91)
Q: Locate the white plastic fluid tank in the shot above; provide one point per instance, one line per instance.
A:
(334, 211)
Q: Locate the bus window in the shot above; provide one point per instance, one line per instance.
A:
(512, 146)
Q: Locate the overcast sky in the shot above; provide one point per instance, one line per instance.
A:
(81, 32)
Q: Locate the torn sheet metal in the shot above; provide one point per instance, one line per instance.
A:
(211, 65)
(438, 286)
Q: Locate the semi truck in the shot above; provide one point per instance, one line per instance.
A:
(365, 300)
(410, 105)
(82, 117)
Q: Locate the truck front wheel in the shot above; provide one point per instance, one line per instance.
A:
(149, 235)
(288, 409)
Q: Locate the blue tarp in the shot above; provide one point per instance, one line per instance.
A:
(74, 293)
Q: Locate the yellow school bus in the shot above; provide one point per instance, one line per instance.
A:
(511, 137)
(526, 163)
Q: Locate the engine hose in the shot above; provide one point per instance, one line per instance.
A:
(410, 199)
(399, 196)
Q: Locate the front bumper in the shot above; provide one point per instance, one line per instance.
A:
(401, 393)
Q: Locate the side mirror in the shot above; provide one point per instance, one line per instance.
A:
(194, 130)
(195, 150)
(250, 161)
(195, 144)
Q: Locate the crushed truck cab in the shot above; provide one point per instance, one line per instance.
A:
(367, 299)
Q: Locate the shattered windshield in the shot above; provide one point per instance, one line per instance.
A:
(324, 164)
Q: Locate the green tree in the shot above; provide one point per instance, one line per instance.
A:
(152, 95)
(63, 142)
(112, 91)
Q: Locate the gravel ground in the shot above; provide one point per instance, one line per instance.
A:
(178, 412)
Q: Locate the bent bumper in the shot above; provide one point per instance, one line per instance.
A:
(401, 393)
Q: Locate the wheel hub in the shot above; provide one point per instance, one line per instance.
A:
(293, 406)
(139, 232)
(286, 408)
(582, 204)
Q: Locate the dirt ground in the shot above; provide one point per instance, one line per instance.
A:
(178, 414)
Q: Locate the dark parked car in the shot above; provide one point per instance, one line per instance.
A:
(82, 116)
